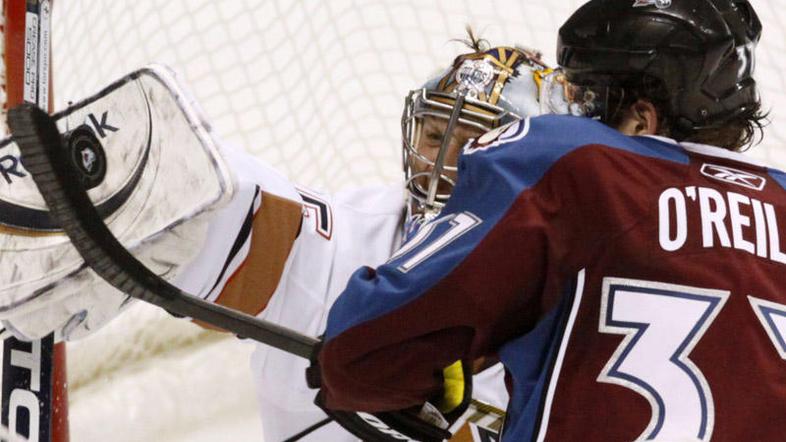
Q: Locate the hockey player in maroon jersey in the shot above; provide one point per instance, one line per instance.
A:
(626, 268)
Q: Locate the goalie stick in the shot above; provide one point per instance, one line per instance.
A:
(44, 157)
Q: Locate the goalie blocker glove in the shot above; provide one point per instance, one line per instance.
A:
(153, 172)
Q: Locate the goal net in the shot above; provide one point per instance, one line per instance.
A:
(314, 88)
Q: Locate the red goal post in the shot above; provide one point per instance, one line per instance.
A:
(34, 400)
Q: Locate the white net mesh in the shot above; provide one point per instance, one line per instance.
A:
(315, 88)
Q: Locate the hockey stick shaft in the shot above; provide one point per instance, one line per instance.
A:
(45, 157)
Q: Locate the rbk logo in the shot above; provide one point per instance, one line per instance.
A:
(733, 176)
(660, 4)
(11, 165)
(101, 127)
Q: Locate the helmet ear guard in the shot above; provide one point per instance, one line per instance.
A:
(700, 51)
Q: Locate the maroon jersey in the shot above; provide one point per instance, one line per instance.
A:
(633, 288)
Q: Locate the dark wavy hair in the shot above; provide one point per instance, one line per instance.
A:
(737, 134)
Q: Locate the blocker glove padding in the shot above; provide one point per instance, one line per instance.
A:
(426, 424)
(155, 175)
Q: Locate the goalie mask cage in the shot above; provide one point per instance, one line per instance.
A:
(313, 88)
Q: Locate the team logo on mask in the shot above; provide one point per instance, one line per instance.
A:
(660, 4)
(474, 75)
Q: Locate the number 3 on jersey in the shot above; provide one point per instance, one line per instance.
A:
(661, 324)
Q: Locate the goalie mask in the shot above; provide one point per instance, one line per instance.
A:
(479, 92)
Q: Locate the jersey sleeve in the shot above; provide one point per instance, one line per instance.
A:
(249, 240)
(469, 281)
(284, 252)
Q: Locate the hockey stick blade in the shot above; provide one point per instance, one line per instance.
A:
(45, 157)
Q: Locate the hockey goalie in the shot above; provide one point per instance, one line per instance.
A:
(224, 227)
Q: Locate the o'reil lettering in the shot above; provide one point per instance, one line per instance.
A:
(729, 220)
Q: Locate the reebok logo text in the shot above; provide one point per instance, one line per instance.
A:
(733, 176)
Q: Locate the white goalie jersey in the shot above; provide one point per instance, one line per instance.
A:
(248, 244)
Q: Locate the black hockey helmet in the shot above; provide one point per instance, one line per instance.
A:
(700, 51)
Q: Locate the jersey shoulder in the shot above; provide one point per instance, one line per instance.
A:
(521, 153)
(548, 138)
(379, 199)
